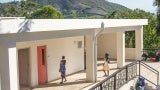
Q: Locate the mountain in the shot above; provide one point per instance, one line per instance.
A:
(82, 8)
(74, 8)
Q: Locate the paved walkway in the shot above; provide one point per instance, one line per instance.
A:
(78, 81)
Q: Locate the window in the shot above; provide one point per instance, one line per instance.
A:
(43, 57)
(79, 44)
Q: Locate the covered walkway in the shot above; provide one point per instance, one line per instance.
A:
(41, 41)
(78, 81)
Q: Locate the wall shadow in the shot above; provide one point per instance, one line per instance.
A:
(25, 26)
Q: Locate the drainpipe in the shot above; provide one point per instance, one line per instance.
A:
(95, 49)
(102, 29)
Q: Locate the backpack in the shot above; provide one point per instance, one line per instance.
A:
(141, 82)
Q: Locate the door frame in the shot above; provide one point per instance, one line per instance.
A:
(45, 65)
(29, 66)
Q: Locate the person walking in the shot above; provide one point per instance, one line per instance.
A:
(62, 69)
(107, 57)
(105, 68)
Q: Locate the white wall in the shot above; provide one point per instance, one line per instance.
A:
(130, 53)
(107, 42)
(55, 49)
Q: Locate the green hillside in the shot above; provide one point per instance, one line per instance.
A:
(82, 8)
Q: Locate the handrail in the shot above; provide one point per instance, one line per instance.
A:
(153, 70)
(149, 81)
(149, 67)
(113, 76)
(123, 75)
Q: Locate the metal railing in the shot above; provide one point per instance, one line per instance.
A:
(125, 74)
(150, 74)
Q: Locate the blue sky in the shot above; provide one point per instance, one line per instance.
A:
(146, 5)
(5, 0)
(8, 0)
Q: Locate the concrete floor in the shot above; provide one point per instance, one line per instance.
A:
(77, 81)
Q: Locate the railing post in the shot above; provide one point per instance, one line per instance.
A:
(139, 68)
(158, 78)
(126, 73)
(115, 85)
(101, 86)
(108, 86)
(136, 69)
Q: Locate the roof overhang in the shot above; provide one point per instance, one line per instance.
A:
(19, 30)
(38, 25)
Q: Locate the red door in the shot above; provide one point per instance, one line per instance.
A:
(42, 64)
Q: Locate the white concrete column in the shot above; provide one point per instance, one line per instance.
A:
(33, 65)
(8, 67)
(120, 49)
(91, 62)
(4, 67)
(139, 43)
(13, 66)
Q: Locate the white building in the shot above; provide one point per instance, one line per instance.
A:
(30, 50)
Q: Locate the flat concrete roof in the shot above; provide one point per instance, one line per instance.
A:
(18, 25)
(19, 30)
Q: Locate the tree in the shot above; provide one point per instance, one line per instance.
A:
(157, 3)
(9, 11)
(47, 12)
(18, 9)
(151, 38)
(130, 39)
(74, 15)
(112, 15)
(26, 7)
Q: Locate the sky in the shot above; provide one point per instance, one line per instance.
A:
(2, 1)
(146, 5)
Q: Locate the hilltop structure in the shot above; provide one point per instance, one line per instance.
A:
(30, 49)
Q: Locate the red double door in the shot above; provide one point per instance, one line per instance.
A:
(42, 64)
